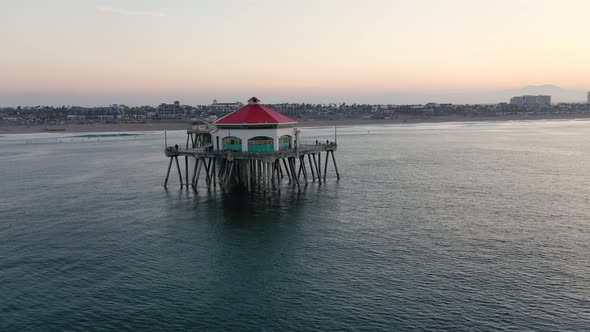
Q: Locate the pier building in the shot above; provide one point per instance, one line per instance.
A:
(254, 128)
(253, 148)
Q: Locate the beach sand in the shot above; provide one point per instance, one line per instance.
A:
(95, 127)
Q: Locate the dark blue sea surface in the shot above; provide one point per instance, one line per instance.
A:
(459, 226)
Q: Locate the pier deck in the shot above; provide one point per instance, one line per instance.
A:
(204, 152)
(251, 170)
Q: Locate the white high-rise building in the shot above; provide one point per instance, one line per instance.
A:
(588, 97)
(531, 101)
(543, 101)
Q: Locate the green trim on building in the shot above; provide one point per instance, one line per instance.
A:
(260, 144)
(232, 143)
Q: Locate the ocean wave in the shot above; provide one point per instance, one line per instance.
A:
(105, 135)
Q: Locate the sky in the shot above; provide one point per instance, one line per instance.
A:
(383, 51)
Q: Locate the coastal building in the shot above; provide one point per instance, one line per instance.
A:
(120, 110)
(105, 117)
(76, 117)
(254, 128)
(543, 101)
(225, 107)
(292, 109)
(588, 97)
(171, 111)
(530, 101)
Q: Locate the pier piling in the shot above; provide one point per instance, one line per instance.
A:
(260, 171)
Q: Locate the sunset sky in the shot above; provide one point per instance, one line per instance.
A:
(141, 51)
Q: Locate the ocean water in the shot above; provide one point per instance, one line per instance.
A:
(457, 226)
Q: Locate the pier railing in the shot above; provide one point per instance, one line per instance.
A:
(208, 152)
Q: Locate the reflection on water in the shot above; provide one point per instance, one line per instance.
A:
(459, 226)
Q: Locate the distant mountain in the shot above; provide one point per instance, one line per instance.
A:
(558, 94)
(539, 89)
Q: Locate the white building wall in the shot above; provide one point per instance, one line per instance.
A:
(246, 134)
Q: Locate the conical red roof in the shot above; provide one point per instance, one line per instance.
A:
(254, 113)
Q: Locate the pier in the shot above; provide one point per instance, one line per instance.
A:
(270, 157)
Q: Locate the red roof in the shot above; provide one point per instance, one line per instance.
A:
(254, 113)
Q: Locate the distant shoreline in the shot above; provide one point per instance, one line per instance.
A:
(183, 125)
(443, 119)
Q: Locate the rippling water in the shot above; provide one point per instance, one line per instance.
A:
(433, 227)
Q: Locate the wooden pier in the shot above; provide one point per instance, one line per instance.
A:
(253, 148)
(249, 170)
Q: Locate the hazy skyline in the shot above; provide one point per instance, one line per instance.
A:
(137, 52)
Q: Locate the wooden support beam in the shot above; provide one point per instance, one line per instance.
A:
(243, 168)
(248, 174)
(239, 170)
(292, 163)
(210, 171)
(291, 170)
(277, 166)
(179, 172)
(287, 169)
(186, 170)
(326, 166)
(311, 167)
(238, 173)
(258, 169)
(270, 174)
(265, 175)
(230, 174)
(319, 169)
(207, 171)
(255, 173)
(252, 173)
(201, 162)
(195, 173)
(280, 170)
(168, 173)
(302, 165)
(213, 175)
(335, 166)
(273, 166)
(222, 167)
(226, 172)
